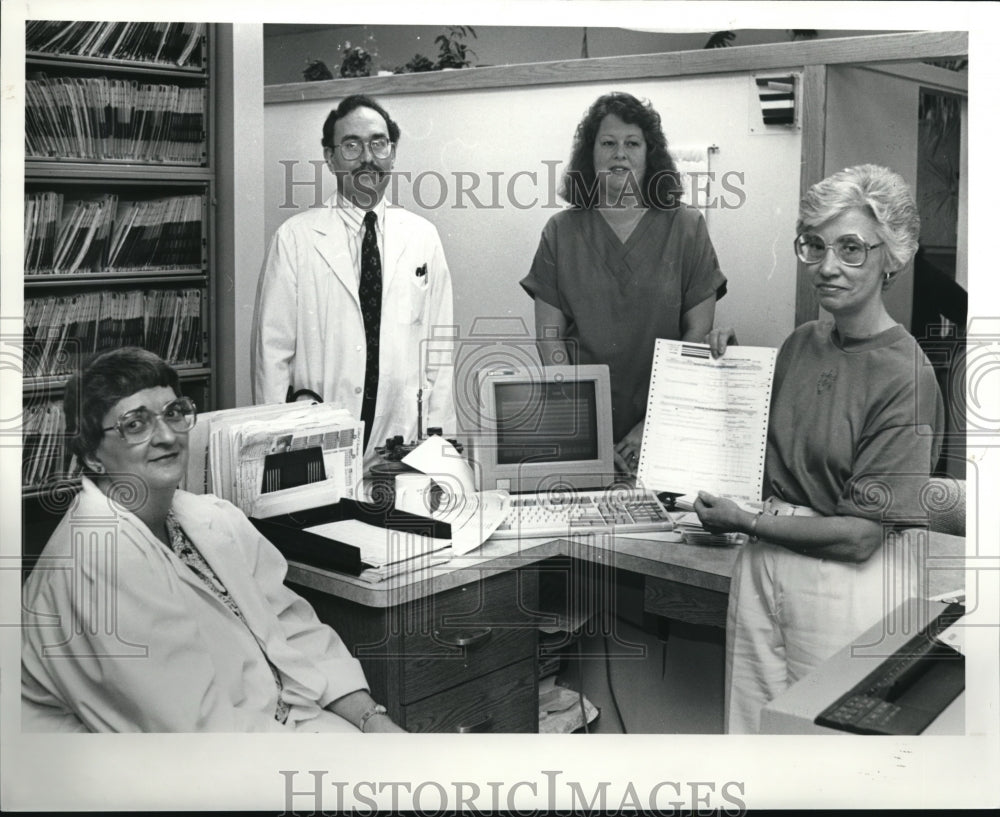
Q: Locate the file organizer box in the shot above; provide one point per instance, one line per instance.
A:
(288, 534)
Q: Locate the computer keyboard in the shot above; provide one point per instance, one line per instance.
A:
(879, 704)
(621, 511)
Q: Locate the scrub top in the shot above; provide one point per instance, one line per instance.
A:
(620, 297)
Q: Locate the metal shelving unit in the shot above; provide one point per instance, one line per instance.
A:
(130, 180)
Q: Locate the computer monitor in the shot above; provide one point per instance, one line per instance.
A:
(545, 428)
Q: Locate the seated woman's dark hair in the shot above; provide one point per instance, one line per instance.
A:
(102, 382)
(661, 188)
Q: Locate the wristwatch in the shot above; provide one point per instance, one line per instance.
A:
(376, 709)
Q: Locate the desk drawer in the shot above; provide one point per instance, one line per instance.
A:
(682, 602)
(468, 632)
(503, 701)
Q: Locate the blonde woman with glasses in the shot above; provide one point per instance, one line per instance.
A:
(851, 441)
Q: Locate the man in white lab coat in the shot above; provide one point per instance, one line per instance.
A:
(311, 332)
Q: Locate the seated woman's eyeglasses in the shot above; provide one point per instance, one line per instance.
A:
(352, 149)
(136, 426)
(851, 250)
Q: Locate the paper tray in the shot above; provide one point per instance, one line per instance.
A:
(287, 534)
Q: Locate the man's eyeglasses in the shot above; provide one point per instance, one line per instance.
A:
(136, 426)
(851, 250)
(352, 149)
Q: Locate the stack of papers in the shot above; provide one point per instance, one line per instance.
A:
(228, 449)
(706, 539)
(386, 552)
(689, 526)
(473, 516)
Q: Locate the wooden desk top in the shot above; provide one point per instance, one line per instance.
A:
(698, 566)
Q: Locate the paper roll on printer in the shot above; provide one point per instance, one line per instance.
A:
(438, 458)
(445, 489)
(415, 494)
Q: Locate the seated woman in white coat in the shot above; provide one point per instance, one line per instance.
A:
(155, 610)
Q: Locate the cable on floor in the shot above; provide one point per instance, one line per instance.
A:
(611, 689)
(579, 694)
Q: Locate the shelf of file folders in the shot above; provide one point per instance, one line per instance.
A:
(144, 43)
(110, 119)
(81, 233)
(60, 331)
(372, 541)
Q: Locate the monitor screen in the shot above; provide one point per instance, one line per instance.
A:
(546, 422)
(544, 428)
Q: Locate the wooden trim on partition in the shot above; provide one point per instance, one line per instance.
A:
(929, 76)
(876, 48)
(812, 169)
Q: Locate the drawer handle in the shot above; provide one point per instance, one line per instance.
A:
(480, 726)
(465, 638)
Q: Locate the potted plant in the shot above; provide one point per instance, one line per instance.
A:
(454, 52)
(417, 64)
(316, 70)
(357, 62)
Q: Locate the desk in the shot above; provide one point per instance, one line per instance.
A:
(454, 647)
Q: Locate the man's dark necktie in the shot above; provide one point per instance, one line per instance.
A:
(370, 296)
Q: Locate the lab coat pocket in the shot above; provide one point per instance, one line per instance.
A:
(418, 297)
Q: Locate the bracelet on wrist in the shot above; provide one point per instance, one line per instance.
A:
(375, 709)
(753, 526)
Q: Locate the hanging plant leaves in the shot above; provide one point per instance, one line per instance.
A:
(720, 39)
